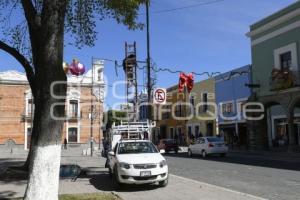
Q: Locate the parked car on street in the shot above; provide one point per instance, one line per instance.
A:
(137, 162)
(208, 145)
(168, 145)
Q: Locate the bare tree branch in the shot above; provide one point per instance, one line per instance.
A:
(30, 13)
(23, 61)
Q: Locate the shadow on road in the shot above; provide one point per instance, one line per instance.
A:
(103, 182)
(252, 160)
(7, 195)
(10, 172)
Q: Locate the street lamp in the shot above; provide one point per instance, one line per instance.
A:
(95, 91)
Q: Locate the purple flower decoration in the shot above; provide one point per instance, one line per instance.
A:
(76, 68)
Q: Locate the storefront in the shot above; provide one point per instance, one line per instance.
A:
(235, 134)
(280, 131)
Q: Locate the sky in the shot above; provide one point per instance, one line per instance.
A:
(204, 38)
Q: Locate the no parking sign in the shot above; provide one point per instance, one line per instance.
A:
(160, 96)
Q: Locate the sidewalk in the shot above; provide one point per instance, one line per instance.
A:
(97, 180)
(277, 155)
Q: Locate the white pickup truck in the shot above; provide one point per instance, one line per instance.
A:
(134, 159)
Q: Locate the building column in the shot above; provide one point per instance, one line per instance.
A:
(237, 129)
(257, 133)
(291, 131)
(270, 127)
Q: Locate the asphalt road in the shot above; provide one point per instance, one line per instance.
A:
(263, 176)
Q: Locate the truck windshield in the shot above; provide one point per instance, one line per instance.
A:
(136, 147)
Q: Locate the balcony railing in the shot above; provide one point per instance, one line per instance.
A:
(27, 116)
(282, 79)
(73, 116)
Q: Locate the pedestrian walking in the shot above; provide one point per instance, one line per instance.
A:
(65, 143)
(200, 134)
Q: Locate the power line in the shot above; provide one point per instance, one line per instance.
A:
(184, 7)
(157, 69)
(222, 76)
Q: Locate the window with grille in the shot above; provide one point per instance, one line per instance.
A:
(73, 109)
(30, 107)
(227, 108)
(192, 102)
(286, 60)
(72, 135)
(204, 99)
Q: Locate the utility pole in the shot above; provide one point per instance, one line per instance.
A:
(148, 61)
(92, 109)
(100, 122)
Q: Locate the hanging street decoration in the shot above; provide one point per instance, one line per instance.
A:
(186, 80)
(76, 68)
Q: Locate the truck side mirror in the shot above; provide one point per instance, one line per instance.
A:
(111, 153)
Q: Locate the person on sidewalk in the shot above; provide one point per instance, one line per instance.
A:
(65, 143)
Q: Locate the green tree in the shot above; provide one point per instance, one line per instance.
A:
(36, 41)
(114, 116)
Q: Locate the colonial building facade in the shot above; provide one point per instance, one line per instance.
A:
(231, 94)
(202, 99)
(187, 115)
(275, 49)
(17, 108)
(166, 125)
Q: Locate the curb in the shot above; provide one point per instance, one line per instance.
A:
(219, 187)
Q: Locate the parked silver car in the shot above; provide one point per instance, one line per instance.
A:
(208, 145)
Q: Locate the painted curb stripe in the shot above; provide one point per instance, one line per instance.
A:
(218, 187)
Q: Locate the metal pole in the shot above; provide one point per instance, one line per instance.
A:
(148, 61)
(92, 109)
(100, 122)
(136, 88)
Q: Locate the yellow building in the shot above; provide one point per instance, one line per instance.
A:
(204, 110)
(167, 126)
(186, 115)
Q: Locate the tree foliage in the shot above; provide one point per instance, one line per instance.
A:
(23, 23)
(114, 116)
(80, 20)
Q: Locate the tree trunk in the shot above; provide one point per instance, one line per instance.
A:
(47, 50)
(44, 180)
(27, 162)
(29, 156)
(46, 149)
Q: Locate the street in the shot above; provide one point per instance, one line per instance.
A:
(237, 176)
(262, 176)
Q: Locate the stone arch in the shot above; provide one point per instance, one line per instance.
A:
(258, 135)
(294, 103)
(271, 131)
(293, 136)
(269, 104)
